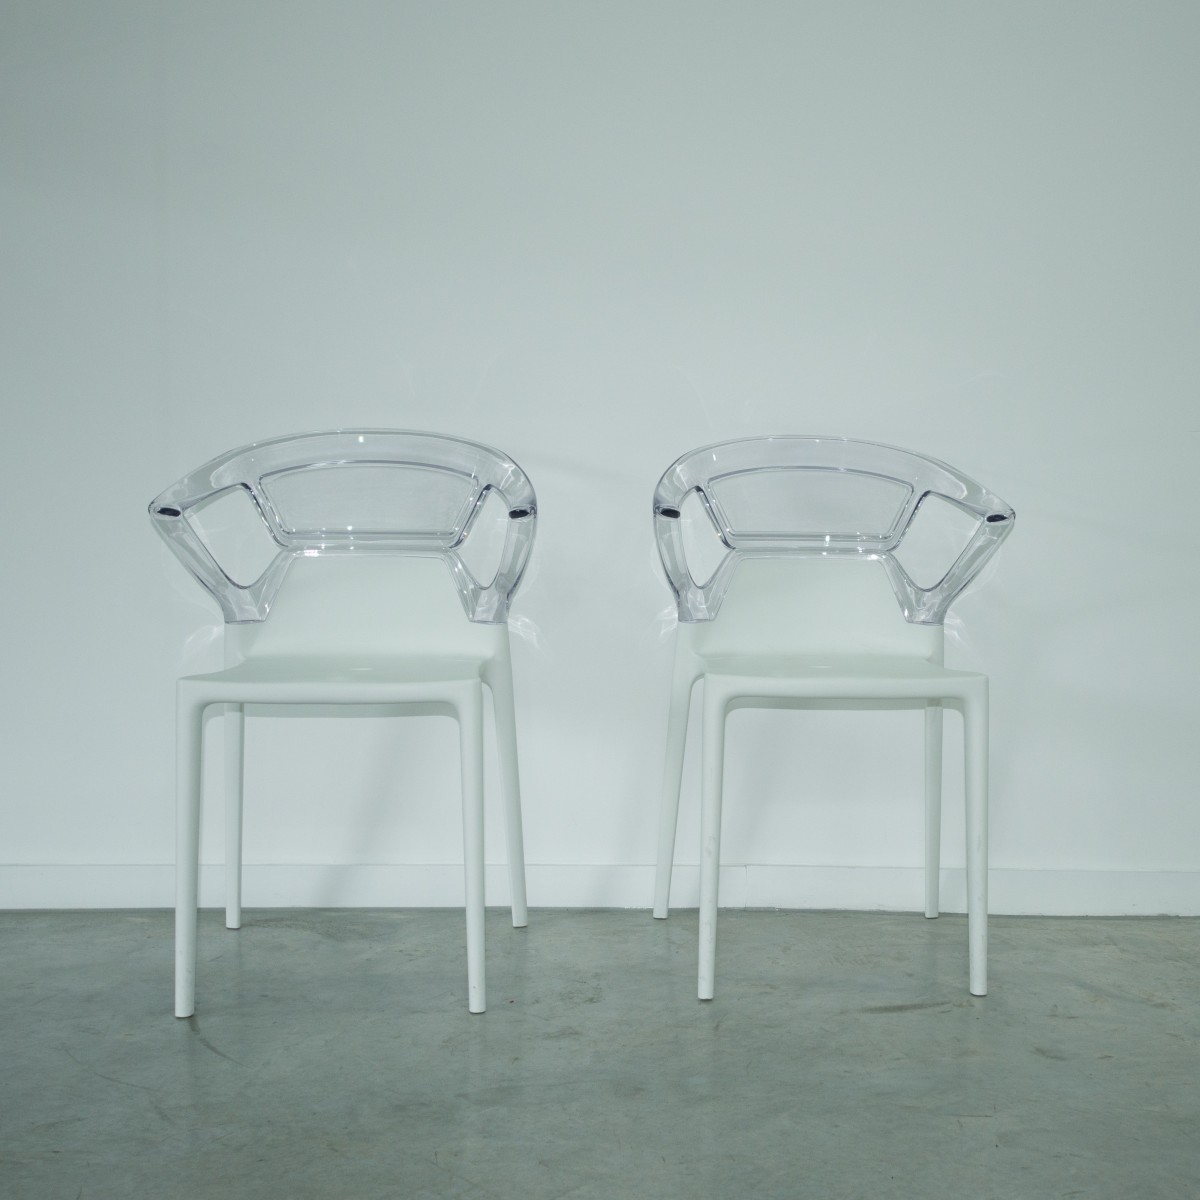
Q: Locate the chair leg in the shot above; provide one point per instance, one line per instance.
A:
(235, 740)
(975, 729)
(712, 770)
(470, 722)
(933, 805)
(683, 677)
(189, 735)
(501, 687)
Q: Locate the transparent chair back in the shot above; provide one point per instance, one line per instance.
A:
(240, 522)
(817, 498)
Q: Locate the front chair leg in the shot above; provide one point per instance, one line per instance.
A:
(713, 765)
(189, 737)
(501, 686)
(975, 731)
(470, 722)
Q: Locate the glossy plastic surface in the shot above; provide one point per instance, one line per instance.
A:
(801, 612)
(818, 496)
(359, 491)
(361, 602)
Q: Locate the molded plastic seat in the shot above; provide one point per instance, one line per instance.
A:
(359, 595)
(810, 607)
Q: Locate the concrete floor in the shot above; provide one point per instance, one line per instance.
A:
(333, 1056)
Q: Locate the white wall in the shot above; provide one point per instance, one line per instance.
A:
(598, 235)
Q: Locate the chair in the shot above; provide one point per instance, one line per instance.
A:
(810, 607)
(361, 596)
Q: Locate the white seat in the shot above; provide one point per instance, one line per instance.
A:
(810, 607)
(364, 599)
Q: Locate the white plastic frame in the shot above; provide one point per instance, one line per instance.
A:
(347, 615)
(803, 616)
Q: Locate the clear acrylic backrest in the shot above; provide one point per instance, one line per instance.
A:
(242, 521)
(819, 498)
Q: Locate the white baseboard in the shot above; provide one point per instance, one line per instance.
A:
(1012, 891)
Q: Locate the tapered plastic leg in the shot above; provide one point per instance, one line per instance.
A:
(712, 770)
(933, 806)
(235, 740)
(470, 719)
(975, 723)
(188, 740)
(510, 787)
(682, 680)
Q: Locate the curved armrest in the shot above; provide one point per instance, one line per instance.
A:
(491, 603)
(695, 602)
(168, 512)
(928, 606)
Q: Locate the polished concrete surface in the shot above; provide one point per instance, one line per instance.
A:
(332, 1055)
